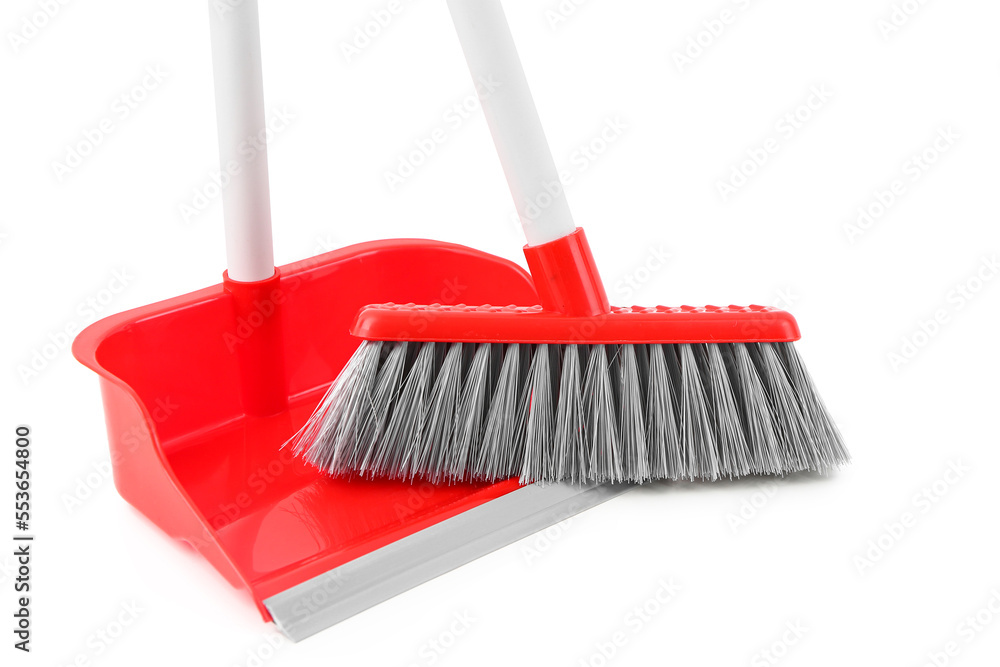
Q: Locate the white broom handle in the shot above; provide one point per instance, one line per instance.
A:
(513, 119)
(239, 110)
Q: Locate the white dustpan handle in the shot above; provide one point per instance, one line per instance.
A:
(239, 108)
(513, 120)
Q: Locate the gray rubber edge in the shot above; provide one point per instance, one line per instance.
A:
(325, 600)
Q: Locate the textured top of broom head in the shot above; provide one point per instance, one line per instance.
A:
(533, 324)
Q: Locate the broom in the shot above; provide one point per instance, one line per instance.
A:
(574, 389)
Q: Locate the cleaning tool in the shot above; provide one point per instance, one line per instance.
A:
(573, 389)
(200, 391)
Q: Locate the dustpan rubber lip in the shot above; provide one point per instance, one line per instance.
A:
(359, 584)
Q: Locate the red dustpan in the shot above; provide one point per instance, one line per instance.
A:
(187, 455)
(201, 391)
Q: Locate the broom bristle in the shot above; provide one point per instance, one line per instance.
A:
(454, 412)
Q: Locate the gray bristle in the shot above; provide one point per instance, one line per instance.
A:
(396, 452)
(436, 440)
(632, 417)
(792, 429)
(824, 432)
(698, 449)
(734, 454)
(663, 441)
(572, 460)
(357, 455)
(467, 436)
(538, 454)
(600, 425)
(453, 412)
(501, 440)
(756, 414)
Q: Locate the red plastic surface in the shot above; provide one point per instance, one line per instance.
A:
(254, 336)
(574, 310)
(185, 453)
(518, 324)
(566, 276)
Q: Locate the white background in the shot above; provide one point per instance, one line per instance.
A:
(780, 239)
